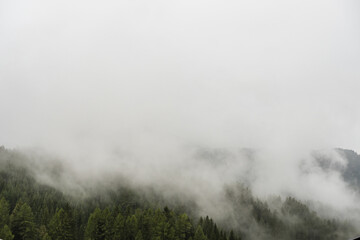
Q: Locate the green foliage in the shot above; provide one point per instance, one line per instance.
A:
(308, 224)
(5, 233)
(4, 212)
(183, 227)
(139, 236)
(118, 227)
(61, 225)
(43, 234)
(199, 234)
(267, 218)
(131, 227)
(22, 222)
(294, 220)
(99, 225)
(44, 213)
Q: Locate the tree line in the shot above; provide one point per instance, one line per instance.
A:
(106, 224)
(30, 210)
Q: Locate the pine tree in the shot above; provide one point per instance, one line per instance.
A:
(5, 233)
(118, 227)
(216, 234)
(43, 234)
(99, 225)
(91, 231)
(131, 227)
(44, 215)
(61, 226)
(183, 227)
(139, 236)
(199, 234)
(4, 212)
(147, 225)
(22, 222)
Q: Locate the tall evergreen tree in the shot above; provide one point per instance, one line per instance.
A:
(4, 212)
(61, 226)
(118, 227)
(131, 227)
(183, 227)
(22, 222)
(139, 236)
(99, 225)
(199, 234)
(91, 231)
(6, 234)
(43, 234)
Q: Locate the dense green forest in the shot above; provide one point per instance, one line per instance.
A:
(33, 210)
(29, 210)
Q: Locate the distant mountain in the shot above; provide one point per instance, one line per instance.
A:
(350, 171)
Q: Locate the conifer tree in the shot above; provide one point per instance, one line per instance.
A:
(6, 234)
(61, 226)
(91, 231)
(183, 227)
(43, 234)
(118, 227)
(22, 222)
(199, 234)
(139, 236)
(131, 227)
(99, 225)
(4, 212)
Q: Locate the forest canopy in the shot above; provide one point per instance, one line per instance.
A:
(33, 210)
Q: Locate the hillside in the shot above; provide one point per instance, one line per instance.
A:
(33, 210)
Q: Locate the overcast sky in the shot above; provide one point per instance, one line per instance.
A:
(82, 75)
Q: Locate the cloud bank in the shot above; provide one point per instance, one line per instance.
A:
(137, 86)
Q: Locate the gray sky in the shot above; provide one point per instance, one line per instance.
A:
(145, 81)
(218, 73)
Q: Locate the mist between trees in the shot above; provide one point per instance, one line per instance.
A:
(119, 209)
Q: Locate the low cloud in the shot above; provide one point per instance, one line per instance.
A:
(171, 94)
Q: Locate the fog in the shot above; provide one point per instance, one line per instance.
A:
(138, 87)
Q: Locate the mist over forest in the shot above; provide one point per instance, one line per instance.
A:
(179, 120)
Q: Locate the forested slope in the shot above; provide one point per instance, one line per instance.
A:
(33, 210)
(30, 210)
